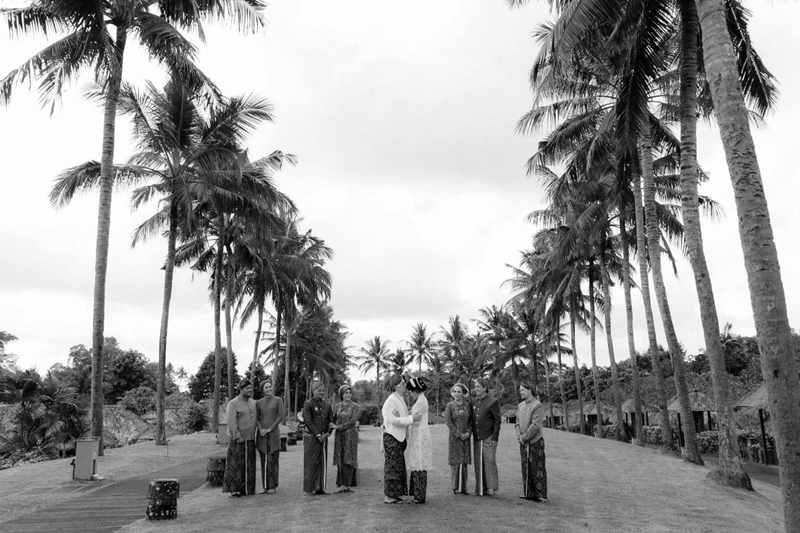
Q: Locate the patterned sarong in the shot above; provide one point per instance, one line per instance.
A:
(418, 486)
(346, 476)
(534, 475)
(270, 468)
(486, 477)
(240, 468)
(315, 467)
(394, 469)
(459, 476)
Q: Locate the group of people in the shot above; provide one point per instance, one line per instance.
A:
(474, 431)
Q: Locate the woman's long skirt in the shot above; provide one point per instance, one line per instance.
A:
(534, 475)
(486, 477)
(240, 468)
(270, 468)
(459, 476)
(394, 469)
(346, 476)
(314, 464)
(418, 486)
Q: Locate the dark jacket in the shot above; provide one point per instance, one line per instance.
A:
(485, 418)
(317, 414)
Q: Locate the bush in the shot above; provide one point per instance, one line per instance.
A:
(652, 435)
(370, 414)
(140, 400)
(708, 442)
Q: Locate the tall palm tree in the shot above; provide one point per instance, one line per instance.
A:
(730, 463)
(95, 37)
(375, 354)
(421, 345)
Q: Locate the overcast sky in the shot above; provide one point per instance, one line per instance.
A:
(402, 116)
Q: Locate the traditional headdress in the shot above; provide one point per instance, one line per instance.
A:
(417, 385)
(343, 389)
(461, 386)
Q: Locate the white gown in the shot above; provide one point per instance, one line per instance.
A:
(419, 450)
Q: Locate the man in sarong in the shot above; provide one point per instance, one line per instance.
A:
(395, 423)
(240, 463)
(485, 433)
(530, 415)
(317, 416)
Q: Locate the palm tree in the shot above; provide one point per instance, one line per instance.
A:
(90, 43)
(730, 464)
(375, 355)
(190, 155)
(421, 345)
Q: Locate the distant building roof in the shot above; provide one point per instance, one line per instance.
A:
(756, 398)
(627, 407)
(698, 401)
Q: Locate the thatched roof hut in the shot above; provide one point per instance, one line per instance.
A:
(627, 407)
(698, 403)
(557, 410)
(755, 399)
(700, 406)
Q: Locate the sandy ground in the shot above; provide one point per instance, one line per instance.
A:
(23, 489)
(594, 486)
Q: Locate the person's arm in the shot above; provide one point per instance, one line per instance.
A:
(308, 419)
(278, 419)
(448, 419)
(230, 417)
(495, 412)
(390, 418)
(537, 421)
(259, 427)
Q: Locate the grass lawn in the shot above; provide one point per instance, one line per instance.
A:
(594, 485)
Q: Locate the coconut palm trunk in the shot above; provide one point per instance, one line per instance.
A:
(577, 372)
(217, 338)
(228, 325)
(626, 289)
(258, 338)
(767, 297)
(561, 387)
(730, 469)
(691, 450)
(287, 363)
(661, 389)
(103, 235)
(593, 347)
(160, 436)
(605, 282)
(277, 356)
(547, 384)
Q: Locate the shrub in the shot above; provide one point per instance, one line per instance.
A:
(370, 414)
(652, 435)
(140, 400)
(708, 442)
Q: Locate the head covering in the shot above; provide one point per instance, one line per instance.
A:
(461, 386)
(343, 389)
(417, 385)
(244, 383)
(316, 385)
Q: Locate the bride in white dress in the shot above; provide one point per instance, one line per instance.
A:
(418, 453)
